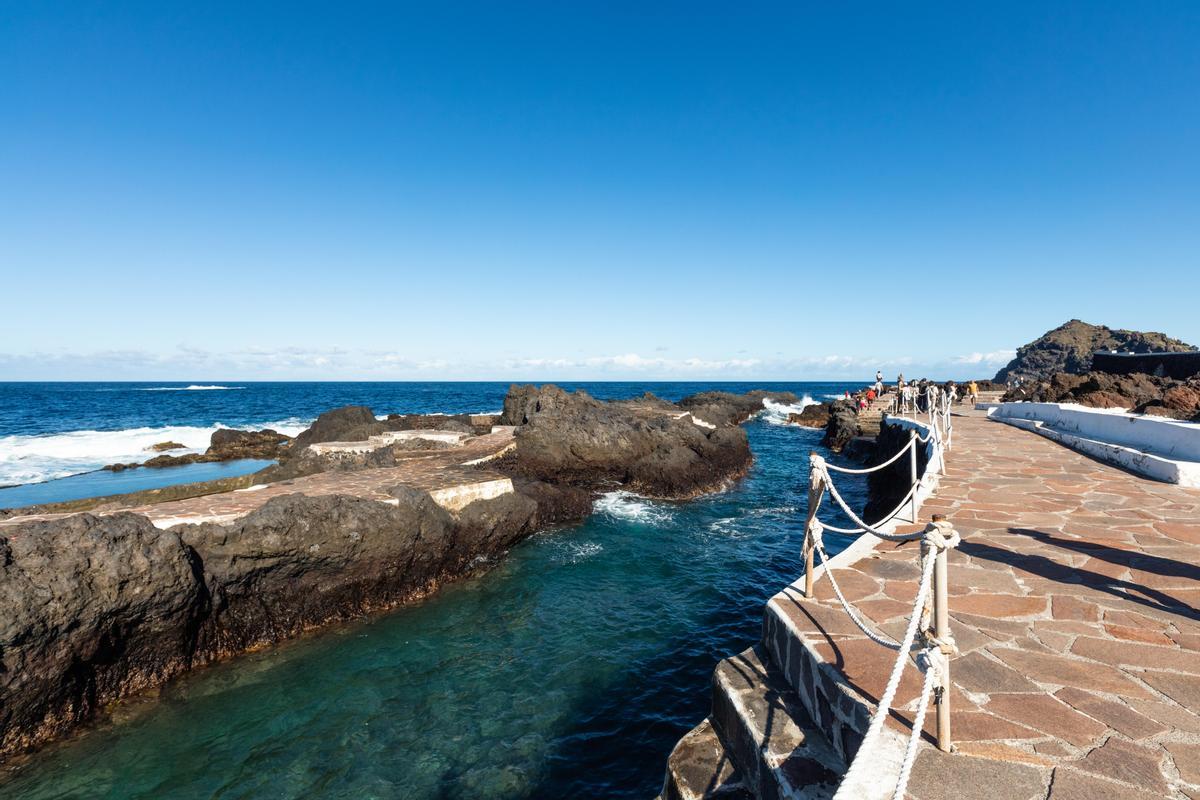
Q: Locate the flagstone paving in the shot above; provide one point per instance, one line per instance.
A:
(1075, 602)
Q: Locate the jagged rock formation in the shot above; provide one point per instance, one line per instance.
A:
(842, 426)
(724, 408)
(1069, 348)
(574, 439)
(1142, 394)
(814, 416)
(224, 445)
(97, 608)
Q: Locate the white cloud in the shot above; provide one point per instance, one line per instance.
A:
(994, 358)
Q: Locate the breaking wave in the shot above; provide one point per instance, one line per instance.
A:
(30, 459)
(777, 413)
(629, 507)
(192, 388)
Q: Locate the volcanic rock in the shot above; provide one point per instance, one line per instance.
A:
(1069, 348)
(725, 408)
(842, 425)
(1145, 394)
(814, 416)
(346, 424)
(574, 439)
(95, 609)
(164, 446)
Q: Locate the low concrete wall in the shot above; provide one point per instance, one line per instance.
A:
(1162, 449)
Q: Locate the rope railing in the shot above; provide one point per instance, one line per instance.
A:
(927, 640)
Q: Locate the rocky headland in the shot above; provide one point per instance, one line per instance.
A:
(108, 603)
(1069, 349)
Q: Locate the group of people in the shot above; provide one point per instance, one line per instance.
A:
(915, 395)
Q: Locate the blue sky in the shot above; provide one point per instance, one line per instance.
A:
(588, 190)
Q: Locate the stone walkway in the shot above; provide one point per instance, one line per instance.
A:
(1075, 599)
(450, 475)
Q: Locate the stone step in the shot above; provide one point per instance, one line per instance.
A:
(768, 734)
(700, 769)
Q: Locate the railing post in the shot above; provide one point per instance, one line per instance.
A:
(816, 492)
(912, 469)
(941, 630)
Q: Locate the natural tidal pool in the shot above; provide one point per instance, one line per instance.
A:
(568, 670)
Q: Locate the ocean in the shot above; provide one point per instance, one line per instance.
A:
(570, 669)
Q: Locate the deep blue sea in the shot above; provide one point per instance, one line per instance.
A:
(568, 670)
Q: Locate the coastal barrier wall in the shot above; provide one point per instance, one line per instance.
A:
(1161, 449)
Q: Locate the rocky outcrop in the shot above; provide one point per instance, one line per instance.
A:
(98, 608)
(345, 424)
(1142, 394)
(1069, 348)
(842, 425)
(576, 440)
(224, 445)
(162, 447)
(95, 609)
(725, 408)
(887, 487)
(814, 416)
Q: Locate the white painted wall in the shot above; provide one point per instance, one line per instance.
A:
(1162, 449)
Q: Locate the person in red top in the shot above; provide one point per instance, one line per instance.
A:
(870, 397)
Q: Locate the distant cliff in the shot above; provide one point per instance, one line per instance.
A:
(1069, 348)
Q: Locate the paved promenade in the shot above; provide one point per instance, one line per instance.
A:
(1075, 599)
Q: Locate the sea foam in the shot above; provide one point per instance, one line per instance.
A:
(629, 507)
(192, 388)
(777, 413)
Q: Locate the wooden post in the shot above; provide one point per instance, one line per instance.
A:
(941, 629)
(912, 468)
(808, 563)
(816, 491)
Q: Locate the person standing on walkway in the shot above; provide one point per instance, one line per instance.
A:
(972, 393)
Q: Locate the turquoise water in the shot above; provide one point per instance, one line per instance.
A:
(101, 483)
(569, 670)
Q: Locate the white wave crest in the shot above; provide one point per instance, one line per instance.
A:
(629, 507)
(29, 459)
(777, 413)
(192, 388)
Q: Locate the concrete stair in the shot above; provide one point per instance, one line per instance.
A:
(700, 769)
(759, 742)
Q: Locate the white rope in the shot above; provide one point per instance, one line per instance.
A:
(888, 518)
(910, 755)
(818, 543)
(847, 790)
(890, 537)
(876, 468)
